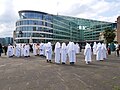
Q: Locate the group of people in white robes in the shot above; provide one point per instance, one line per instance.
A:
(18, 50)
(62, 51)
(99, 50)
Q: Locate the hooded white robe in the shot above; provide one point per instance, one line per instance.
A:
(87, 53)
(99, 52)
(48, 51)
(57, 52)
(34, 50)
(41, 49)
(94, 48)
(26, 50)
(77, 48)
(22, 49)
(17, 54)
(10, 51)
(63, 53)
(71, 52)
(104, 51)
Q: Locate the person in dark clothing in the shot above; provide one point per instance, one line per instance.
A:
(109, 50)
(80, 47)
(5, 50)
(1, 49)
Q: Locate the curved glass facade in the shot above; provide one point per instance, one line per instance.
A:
(34, 26)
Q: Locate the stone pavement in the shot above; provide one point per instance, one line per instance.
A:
(34, 73)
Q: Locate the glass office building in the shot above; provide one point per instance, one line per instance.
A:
(35, 27)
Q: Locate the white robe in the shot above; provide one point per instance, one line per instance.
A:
(63, 53)
(87, 53)
(99, 52)
(17, 54)
(10, 51)
(48, 51)
(41, 49)
(45, 45)
(34, 50)
(104, 51)
(14, 50)
(94, 48)
(22, 49)
(57, 52)
(26, 50)
(71, 52)
(77, 48)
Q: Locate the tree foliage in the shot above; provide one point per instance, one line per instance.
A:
(109, 35)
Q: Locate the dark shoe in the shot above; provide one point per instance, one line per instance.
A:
(50, 61)
(63, 63)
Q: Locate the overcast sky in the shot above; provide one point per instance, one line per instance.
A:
(104, 10)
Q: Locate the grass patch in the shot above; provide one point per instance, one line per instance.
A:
(116, 88)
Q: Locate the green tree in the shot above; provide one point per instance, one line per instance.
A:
(109, 35)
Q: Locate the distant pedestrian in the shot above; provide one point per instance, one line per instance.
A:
(109, 50)
(5, 50)
(1, 51)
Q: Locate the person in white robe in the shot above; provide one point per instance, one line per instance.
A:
(99, 56)
(34, 49)
(22, 49)
(26, 50)
(94, 48)
(72, 53)
(17, 54)
(63, 53)
(49, 52)
(14, 50)
(87, 53)
(57, 52)
(37, 49)
(41, 49)
(104, 51)
(45, 49)
(10, 51)
(77, 48)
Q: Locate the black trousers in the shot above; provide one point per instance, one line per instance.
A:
(118, 53)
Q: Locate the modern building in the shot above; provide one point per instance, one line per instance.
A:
(8, 40)
(2, 41)
(35, 26)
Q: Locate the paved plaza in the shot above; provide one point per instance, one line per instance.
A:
(34, 73)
